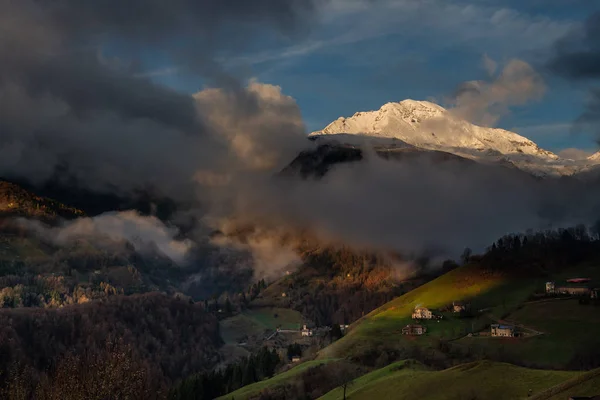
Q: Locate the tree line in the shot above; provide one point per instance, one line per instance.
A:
(209, 385)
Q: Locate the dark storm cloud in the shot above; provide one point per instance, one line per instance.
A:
(62, 103)
(577, 58)
(578, 54)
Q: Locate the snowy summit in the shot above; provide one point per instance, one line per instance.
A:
(429, 126)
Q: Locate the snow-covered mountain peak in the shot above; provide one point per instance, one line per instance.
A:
(429, 126)
(594, 157)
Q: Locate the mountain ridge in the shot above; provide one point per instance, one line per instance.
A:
(426, 125)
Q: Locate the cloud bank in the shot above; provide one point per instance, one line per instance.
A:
(67, 109)
(146, 234)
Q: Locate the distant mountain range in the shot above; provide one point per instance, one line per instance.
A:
(428, 126)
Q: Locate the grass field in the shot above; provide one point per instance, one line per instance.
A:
(383, 325)
(588, 388)
(258, 320)
(479, 380)
(280, 379)
(586, 384)
(566, 324)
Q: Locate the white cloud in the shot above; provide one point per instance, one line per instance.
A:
(145, 233)
(484, 103)
(574, 153)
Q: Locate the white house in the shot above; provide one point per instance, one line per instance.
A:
(414, 330)
(502, 330)
(306, 331)
(422, 313)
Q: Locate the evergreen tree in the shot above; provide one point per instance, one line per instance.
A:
(249, 374)
(228, 307)
(335, 332)
(466, 255)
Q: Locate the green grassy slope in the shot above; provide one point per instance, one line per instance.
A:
(280, 379)
(588, 388)
(566, 324)
(479, 380)
(255, 321)
(383, 325)
(569, 328)
(586, 384)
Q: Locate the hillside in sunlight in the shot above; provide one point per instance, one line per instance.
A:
(380, 330)
(16, 201)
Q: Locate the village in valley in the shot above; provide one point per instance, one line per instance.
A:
(308, 338)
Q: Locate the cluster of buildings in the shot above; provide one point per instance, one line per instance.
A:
(423, 313)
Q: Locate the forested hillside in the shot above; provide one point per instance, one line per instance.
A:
(16, 201)
(168, 338)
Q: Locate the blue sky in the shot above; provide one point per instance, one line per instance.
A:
(360, 54)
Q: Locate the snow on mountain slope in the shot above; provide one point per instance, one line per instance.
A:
(429, 126)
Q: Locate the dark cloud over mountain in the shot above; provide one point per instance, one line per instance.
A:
(63, 104)
(577, 58)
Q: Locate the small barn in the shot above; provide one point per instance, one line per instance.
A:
(414, 330)
(422, 313)
(498, 330)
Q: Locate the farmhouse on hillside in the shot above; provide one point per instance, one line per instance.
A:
(414, 330)
(498, 330)
(306, 331)
(458, 307)
(422, 313)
